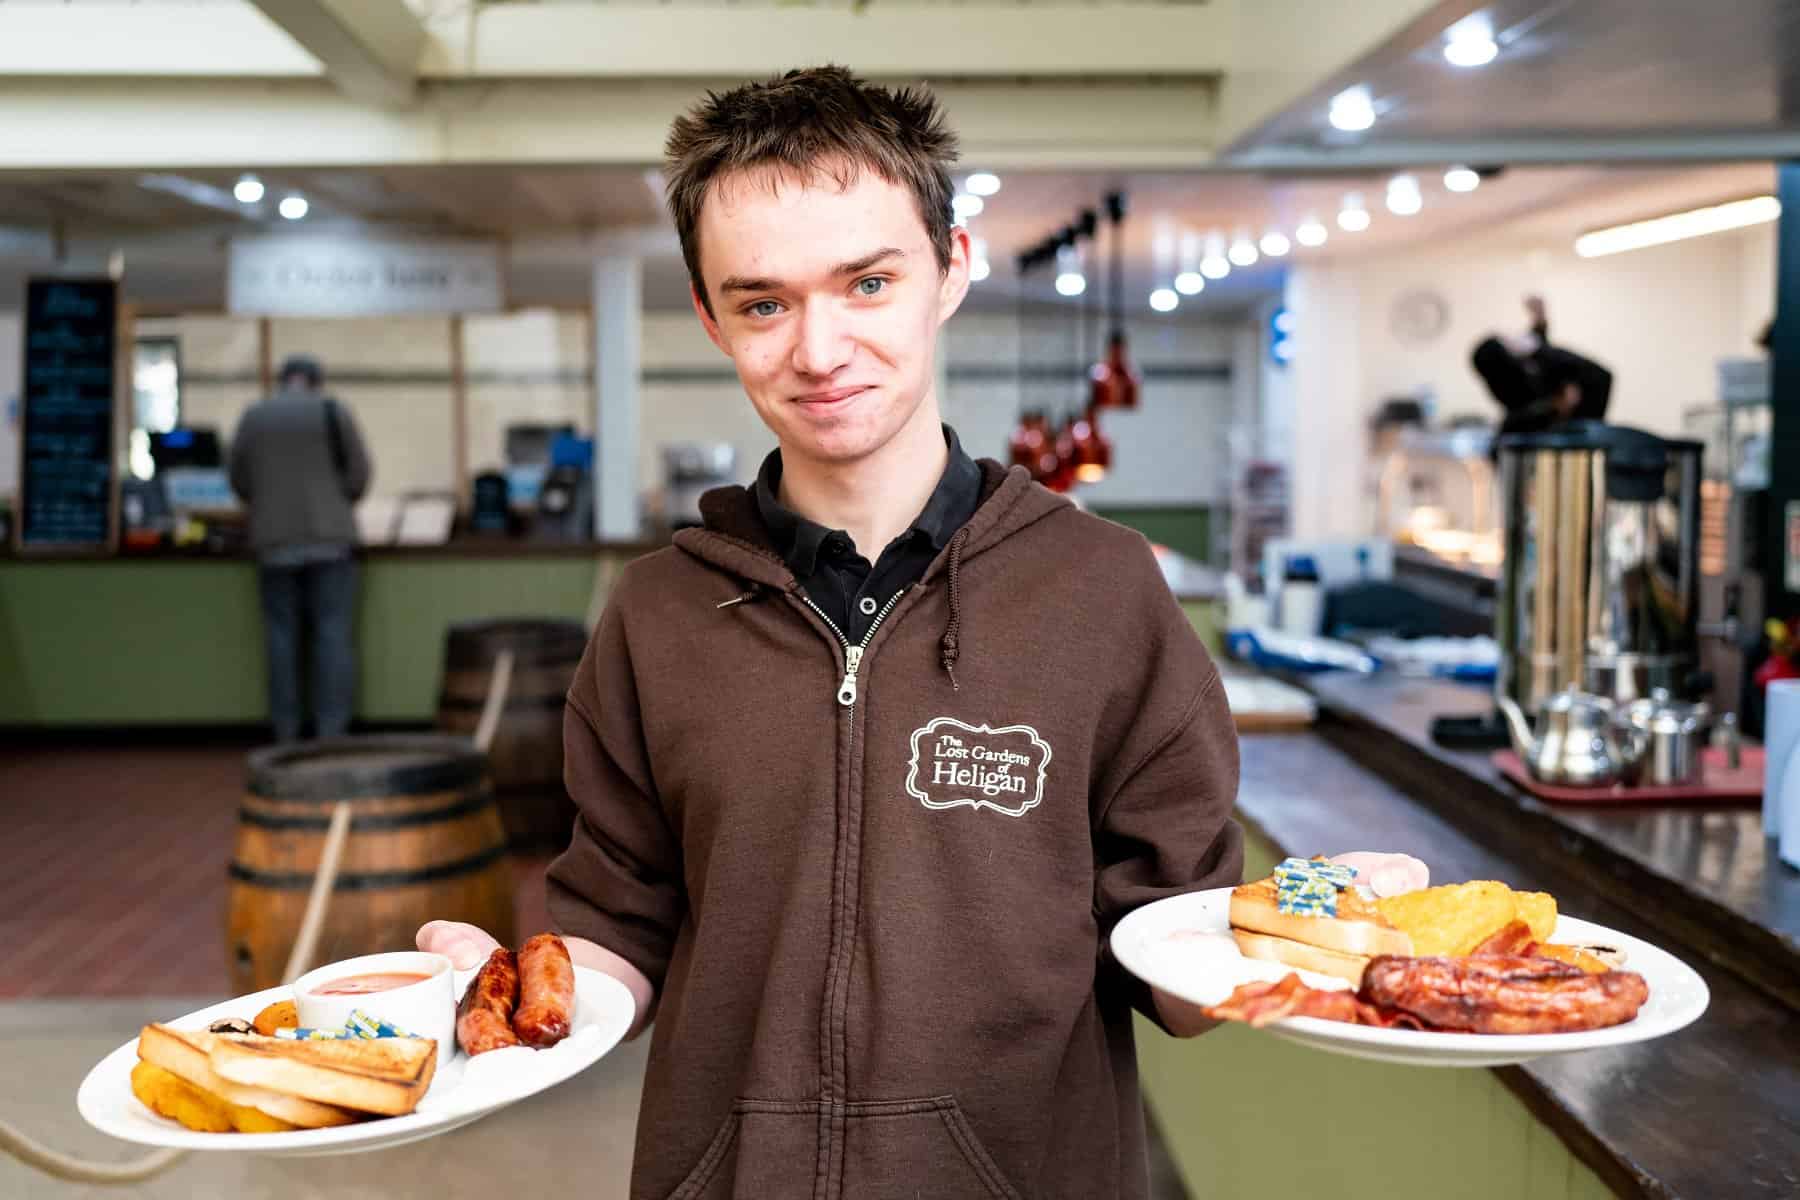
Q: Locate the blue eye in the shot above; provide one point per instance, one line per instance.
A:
(764, 308)
(872, 286)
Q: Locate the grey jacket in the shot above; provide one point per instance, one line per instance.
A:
(281, 467)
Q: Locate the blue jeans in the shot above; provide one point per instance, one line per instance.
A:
(317, 600)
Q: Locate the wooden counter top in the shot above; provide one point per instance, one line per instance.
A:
(1711, 1111)
(1705, 876)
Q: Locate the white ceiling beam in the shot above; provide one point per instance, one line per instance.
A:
(68, 124)
(147, 39)
(991, 40)
(370, 48)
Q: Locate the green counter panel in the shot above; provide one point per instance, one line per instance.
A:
(1226, 1106)
(139, 643)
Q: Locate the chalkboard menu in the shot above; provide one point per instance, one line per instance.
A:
(66, 480)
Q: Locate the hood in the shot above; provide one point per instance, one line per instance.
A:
(734, 539)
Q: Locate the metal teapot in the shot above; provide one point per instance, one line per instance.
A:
(1578, 742)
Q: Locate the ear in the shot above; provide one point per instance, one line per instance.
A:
(706, 321)
(955, 283)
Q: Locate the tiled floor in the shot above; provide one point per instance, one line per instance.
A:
(112, 870)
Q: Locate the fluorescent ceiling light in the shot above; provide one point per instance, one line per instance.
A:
(249, 190)
(294, 207)
(1164, 300)
(1071, 283)
(983, 183)
(1190, 283)
(1242, 252)
(1275, 244)
(1312, 232)
(1675, 227)
(1352, 110)
(1353, 217)
(1215, 266)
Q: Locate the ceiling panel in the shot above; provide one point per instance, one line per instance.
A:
(1581, 68)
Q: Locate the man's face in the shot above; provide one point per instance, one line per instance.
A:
(828, 302)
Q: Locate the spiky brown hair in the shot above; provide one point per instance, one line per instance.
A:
(817, 121)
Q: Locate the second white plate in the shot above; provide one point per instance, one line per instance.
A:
(1183, 946)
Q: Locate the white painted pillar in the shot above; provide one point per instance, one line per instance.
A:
(618, 323)
(1330, 442)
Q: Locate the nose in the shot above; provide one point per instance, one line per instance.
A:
(823, 345)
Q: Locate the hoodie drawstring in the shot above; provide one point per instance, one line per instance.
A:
(953, 629)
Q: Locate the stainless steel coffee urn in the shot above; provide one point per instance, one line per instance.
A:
(1599, 585)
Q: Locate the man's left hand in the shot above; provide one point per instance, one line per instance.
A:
(1386, 874)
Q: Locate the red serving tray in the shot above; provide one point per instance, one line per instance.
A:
(1718, 784)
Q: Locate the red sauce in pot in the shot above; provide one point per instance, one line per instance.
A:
(362, 985)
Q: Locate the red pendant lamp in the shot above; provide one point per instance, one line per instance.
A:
(1115, 382)
(1033, 443)
(1092, 449)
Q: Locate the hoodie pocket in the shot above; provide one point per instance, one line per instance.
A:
(903, 1149)
(763, 1148)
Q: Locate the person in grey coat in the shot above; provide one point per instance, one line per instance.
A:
(299, 463)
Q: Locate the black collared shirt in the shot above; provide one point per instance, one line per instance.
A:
(849, 589)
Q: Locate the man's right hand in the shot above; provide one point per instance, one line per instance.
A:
(463, 944)
(468, 946)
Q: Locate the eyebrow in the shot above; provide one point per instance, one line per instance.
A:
(740, 283)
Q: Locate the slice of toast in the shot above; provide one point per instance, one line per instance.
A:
(186, 1053)
(1359, 927)
(377, 1075)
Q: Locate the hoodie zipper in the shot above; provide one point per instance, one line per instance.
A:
(846, 692)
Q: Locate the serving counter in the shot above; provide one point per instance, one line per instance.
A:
(165, 639)
(1710, 1111)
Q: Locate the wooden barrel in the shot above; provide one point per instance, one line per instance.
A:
(425, 843)
(525, 760)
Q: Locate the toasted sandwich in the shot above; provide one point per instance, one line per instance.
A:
(186, 1053)
(1340, 945)
(375, 1075)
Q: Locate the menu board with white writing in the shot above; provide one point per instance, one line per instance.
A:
(70, 391)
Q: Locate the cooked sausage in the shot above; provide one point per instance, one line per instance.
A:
(1503, 994)
(546, 992)
(484, 1018)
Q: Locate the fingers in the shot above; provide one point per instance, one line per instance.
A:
(464, 945)
(1386, 874)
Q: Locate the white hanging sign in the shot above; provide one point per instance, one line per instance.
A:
(331, 276)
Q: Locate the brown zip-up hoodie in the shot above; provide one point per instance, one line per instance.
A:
(875, 902)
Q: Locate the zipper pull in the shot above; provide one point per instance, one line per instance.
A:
(847, 689)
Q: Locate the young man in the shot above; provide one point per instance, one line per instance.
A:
(870, 766)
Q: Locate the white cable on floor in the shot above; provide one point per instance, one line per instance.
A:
(75, 1170)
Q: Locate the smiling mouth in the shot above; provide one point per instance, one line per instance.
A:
(834, 396)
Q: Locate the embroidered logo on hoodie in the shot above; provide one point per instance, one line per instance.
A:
(955, 763)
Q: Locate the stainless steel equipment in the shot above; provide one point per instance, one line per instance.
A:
(1599, 583)
(1670, 733)
(1578, 742)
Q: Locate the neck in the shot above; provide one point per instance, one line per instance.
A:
(876, 497)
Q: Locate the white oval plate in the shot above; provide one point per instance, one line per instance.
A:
(1183, 946)
(463, 1089)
